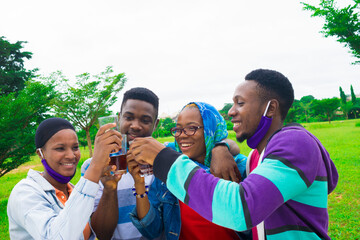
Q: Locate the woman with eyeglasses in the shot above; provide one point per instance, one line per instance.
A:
(159, 213)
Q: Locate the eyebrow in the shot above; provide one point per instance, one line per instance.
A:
(142, 116)
(62, 144)
(237, 96)
(130, 113)
(59, 145)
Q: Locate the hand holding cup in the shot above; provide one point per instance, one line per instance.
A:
(145, 150)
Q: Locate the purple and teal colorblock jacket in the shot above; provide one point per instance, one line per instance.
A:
(288, 190)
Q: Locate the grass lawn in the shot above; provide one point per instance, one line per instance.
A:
(341, 139)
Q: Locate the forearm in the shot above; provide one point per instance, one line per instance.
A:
(233, 147)
(235, 206)
(104, 219)
(151, 225)
(142, 204)
(94, 172)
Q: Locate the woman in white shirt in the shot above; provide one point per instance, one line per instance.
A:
(36, 206)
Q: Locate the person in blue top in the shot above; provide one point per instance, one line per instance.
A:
(199, 127)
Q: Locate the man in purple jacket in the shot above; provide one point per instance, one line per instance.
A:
(285, 196)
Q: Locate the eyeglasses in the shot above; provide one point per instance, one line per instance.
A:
(189, 131)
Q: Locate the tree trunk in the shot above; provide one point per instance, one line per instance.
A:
(88, 139)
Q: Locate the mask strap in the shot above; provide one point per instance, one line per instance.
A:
(267, 108)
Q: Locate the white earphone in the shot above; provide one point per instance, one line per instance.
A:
(42, 156)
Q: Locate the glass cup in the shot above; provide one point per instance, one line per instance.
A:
(119, 158)
(116, 158)
(109, 119)
(146, 170)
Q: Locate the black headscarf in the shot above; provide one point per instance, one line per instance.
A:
(48, 128)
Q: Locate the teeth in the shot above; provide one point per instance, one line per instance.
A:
(185, 145)
(68, 164)
(236, 124)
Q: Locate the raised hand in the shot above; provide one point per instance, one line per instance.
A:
(223, 164)
(107, 140)
(134, 169)
(144, 150)
(111, 177)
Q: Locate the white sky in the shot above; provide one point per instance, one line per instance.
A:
(185, 50)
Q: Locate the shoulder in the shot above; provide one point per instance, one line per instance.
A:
(292, 139)
(24, 190)
(297, 148)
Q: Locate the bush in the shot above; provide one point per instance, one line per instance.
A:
(229, 125)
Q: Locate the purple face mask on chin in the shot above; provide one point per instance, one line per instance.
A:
(58, 177)
(260, 131)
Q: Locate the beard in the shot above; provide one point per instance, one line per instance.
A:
(243, 137)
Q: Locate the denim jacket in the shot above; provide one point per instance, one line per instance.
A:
(163, 215)
(164, 212)
(35, 212)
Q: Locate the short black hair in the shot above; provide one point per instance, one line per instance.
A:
(143, 94)
(273, 85)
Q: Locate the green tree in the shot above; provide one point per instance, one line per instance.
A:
(355, 104)
(164, 126)
(342, 96)
(224, 111)
(305, 104)
(344, 105)
(346, 108)
(20, 114)
(326, 107)
(342, 23)
(82, 135)
(13, 75)
(353, 97)
(294, 112)
(89, 98)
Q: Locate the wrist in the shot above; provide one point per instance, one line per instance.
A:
(222, 143)
(109, 193)
(139, 184)
(93, 173)
(140, 194)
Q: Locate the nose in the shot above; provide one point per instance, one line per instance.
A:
(70, 153)
(232, 111)
(135, 125)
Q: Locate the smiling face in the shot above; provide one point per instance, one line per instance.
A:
(137, 119)
(247, 110)
(62, 152)
(192, 146)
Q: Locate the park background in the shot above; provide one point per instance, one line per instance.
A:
(188, 51)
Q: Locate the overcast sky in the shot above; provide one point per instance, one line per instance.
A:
(182, 50)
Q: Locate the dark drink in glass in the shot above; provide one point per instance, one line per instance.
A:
(119, 161)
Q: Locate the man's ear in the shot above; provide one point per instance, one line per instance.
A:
(274, 108)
